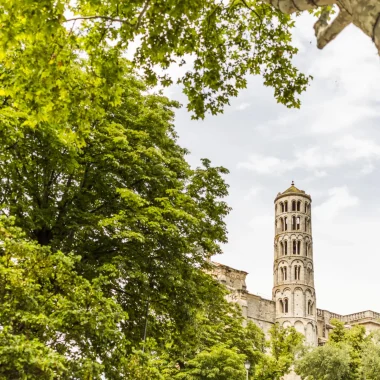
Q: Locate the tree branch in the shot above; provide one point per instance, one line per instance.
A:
(107, 18)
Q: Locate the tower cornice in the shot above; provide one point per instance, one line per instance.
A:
(298, 194)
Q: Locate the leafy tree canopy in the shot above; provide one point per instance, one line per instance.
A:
(54, 323)
(217, 43)
(349, 354)
(125, 201)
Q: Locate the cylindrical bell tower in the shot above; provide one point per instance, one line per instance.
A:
(293, 269)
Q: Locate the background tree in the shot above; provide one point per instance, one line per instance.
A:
(283, 344)
(345, 355)
(219, 363)
(328, 362)
(370, 367)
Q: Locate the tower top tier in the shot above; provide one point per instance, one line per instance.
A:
(292, 190)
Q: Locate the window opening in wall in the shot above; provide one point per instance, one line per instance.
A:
(297, 272)
(306, 221)
(298, 223)
(293, 222)
(308, 275)
(310, 307)
(293, 205)
(282, 248)
(299, 247)
(294, 247)
(286, 247)
(283, 273)
(306, 249)
(286, 305)
(282, 207)
(286, 223)
(305, 207)
(299, 206)
(281, 306)
(286, 206)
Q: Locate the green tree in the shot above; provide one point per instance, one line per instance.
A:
(283, 344)
(220, 44)
(218, 363)
(125, 199)
(341, 357)
(328, 362)
(370, 365)
(54, 323)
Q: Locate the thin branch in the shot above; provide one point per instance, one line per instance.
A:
(97, 17)
(244, 2)
(141, 15)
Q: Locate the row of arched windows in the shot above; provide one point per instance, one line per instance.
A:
(295, 224)
(297, 274)
(284, 306)
(296, 247)
(295, 206)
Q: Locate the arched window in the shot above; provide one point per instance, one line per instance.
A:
(282, 224)
(283, 273)
(282, 207)
(286, 223)
(299, 206)
(310, 307)
(286, 206)
(299, 247)
(281, 306)
(282, 248)
(298, 223)
(286, 305)
(294, 247)
(285, 247)
(293, 205)
(297, 272)
(306, 222)
(306, 249)
(293, 222)
(305, 207)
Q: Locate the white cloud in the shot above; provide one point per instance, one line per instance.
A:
(359, 148)
(339, 198)
(243, 106)
(261, 225)
(253, 192)
(320, 174)
(344, 151)
(262, 164)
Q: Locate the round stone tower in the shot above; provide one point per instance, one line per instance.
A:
(293, 269)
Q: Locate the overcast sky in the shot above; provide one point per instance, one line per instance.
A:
(330, 148)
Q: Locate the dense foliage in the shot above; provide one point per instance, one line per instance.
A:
(349, 354)
(217, 44)
(106, 231)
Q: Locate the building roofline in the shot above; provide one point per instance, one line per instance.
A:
(282, 195)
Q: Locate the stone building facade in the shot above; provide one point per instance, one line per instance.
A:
(294, 301)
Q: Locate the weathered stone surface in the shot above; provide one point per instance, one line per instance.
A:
(365, 14)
